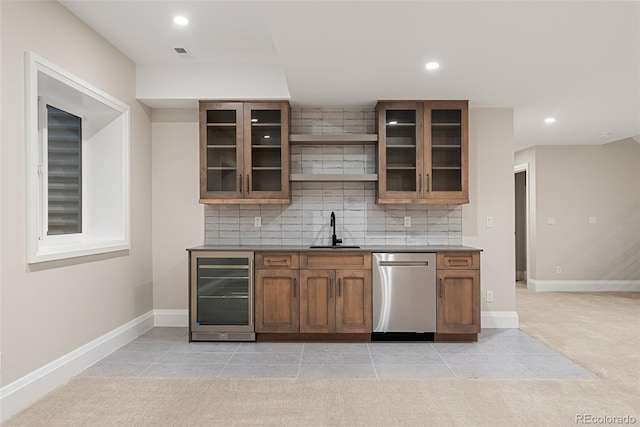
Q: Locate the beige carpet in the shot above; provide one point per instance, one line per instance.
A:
(599, 331)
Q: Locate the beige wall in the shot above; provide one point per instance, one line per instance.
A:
(573, 183)
(178, 218)
(51, 309)
(491, 194)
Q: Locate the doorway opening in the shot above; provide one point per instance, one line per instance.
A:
(521, 214)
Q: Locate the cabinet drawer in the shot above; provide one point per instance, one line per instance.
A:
(277, 260)
(461, 260)
(336, 260)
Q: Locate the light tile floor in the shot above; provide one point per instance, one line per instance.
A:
(498, 354)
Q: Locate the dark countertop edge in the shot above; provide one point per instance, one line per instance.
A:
(258, 248)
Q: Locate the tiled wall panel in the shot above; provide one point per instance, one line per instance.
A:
(360, 221)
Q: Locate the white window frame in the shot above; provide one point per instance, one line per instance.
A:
(106, 217)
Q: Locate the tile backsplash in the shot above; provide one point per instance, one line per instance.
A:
(359, 220)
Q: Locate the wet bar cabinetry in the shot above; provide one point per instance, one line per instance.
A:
(244, 152)
(458, 300)
(313, 296)
(423, 152)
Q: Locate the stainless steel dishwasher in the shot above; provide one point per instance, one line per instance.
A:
(404, 292)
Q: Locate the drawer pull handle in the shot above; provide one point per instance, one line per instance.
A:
(339, 287)
(428, 186)
(240, 183)
(458, 262)
(277, 261)
(295, 285)
(419, 183)
(441, 289)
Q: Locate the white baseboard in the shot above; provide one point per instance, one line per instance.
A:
(583, 285)
(499, 319)
(171, 317)
(25, 391)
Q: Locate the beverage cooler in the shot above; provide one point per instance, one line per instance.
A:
(221, 296)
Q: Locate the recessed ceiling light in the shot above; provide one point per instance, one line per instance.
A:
(181, 20)
(432, 66)
(605, 134)
(180, 50)
(550, 120)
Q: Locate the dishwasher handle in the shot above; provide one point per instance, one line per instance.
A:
(403, 263)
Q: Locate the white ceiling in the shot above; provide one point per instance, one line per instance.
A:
(578, 61)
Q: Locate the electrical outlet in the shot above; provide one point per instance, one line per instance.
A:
(489, 296)
(489, 222)
(593, 220)
(551, 220)
(407, 221)
(257, 221)
(559, 269)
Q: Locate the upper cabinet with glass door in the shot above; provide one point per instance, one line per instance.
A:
(423, 152)
(244, 152)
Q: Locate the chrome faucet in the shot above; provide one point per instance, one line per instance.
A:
(334, 238)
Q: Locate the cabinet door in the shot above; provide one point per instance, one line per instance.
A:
(353, 301)
(458, 309)
(266, 150)
(317, 301)
(277, 307)
(400, 151)
(221, 150)
(446, 151)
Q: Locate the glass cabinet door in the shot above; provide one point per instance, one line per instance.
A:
(446, 122)
(223, 291)
(400, 151)
(221, 153)
(266, 124)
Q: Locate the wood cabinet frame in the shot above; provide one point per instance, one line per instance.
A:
(458, 295)
(244, 193)
(424, 161)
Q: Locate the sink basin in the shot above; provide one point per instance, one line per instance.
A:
(334, 247)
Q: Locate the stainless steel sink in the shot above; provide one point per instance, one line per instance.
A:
(334, 247)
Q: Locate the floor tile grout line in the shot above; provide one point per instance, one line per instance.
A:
(445, 362)
(158, 358)
(375, 370)
(300, 361)
(228, 360)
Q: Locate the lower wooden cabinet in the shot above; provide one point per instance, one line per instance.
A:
(458, 290)
(335, 301)
(277, 301)
(317, 301)
(316, 298)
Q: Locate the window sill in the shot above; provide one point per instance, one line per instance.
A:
(58, 252)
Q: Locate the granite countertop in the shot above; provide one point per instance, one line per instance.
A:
(375, 248)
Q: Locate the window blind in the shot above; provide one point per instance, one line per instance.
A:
(64, 179)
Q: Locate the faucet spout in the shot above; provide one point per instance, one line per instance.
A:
(334, 238)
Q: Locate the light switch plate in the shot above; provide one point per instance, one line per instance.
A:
(593, 220)
(257, 221)
(489, 222)
(407, 221)
(551, 220)
(489, 296)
